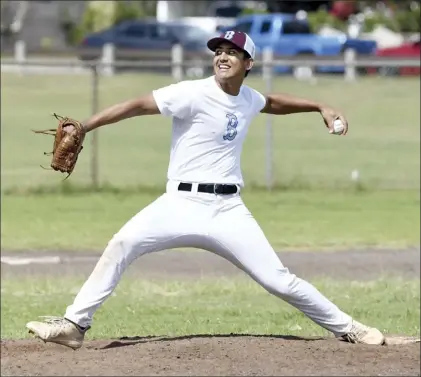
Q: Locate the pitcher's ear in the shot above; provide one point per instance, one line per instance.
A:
(249, 64)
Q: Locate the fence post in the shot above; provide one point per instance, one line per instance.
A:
(349, 58)
(268, 77)
(177, 62)
(20, 54)
(94, 138)
(354, 30)
(107, 60)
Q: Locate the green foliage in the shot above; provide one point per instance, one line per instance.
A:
(409, 21)
(323, 18)
(99, 15)
(68, 26)
(248, 11)
(402, 20)
(379, 19)
(127, 11)
(92, 20)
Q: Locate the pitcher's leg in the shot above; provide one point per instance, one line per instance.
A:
(247, 247)
(171, 221)
(152, 229)
(137, 237)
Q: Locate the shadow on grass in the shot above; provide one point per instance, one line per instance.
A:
(133, 340)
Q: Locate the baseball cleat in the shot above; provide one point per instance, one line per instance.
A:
(58, 330)
(364, 335)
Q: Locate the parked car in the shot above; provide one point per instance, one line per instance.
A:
(406, 50)
(290, 36)
(146, 39)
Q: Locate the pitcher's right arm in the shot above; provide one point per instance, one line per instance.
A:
(144, 105)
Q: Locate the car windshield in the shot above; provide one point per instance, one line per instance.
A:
(295, 27)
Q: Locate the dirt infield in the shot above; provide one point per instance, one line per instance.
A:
(219, 355)
(205, 356)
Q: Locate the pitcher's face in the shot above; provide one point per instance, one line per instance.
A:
(229, 61)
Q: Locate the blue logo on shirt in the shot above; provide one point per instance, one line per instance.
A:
(231, 127)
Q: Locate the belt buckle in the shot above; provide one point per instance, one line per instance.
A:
(216, 186)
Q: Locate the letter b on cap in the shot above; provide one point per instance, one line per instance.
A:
(229, 34)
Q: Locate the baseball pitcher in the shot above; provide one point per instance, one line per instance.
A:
(202, 206)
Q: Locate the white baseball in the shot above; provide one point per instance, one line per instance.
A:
(338, 127)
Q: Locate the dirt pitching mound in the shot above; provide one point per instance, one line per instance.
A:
(203, 355)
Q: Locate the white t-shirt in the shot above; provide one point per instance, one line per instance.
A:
(208, 129)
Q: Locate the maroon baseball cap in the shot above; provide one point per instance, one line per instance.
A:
(237, 38)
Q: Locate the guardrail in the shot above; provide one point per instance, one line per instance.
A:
(108, 59)
(302, 60)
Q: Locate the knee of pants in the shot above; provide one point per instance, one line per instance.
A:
(278, 282)
(120, 249)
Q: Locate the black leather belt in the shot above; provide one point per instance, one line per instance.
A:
(210, 188)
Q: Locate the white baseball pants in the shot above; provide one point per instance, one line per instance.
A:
(218, 223)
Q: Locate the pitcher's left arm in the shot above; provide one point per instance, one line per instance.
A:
(284, 104)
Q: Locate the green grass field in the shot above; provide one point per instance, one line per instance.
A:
(291, 220)
(140, 308)
(315, 203)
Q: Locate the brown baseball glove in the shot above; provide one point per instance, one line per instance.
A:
(67, 144)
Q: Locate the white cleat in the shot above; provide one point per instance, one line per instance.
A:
(364, 335)
(58, 330)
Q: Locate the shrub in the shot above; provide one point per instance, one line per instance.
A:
(99, 15)
(323, 18)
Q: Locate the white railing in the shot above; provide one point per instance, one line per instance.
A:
(107, 59)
